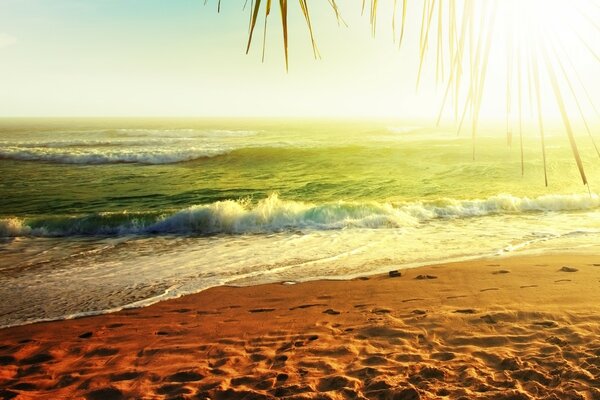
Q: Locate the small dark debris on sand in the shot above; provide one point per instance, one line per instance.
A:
(422, 277)
(566, 268)
(394, 274)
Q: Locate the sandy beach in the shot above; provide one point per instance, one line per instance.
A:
(207, 200)
(503, 328)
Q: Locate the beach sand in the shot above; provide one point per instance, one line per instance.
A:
(501, 328)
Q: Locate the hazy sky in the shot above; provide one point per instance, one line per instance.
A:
(181, 58)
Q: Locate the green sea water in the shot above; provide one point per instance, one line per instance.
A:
(131, 211)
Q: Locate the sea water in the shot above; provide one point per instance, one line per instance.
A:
(97, 215)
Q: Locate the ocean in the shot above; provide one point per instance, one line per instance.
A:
(101, 214)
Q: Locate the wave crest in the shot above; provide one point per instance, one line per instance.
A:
(273, 214)
(98, 156)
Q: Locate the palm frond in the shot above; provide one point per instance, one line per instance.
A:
(463, 40)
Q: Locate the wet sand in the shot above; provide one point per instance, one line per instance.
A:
(501, 328)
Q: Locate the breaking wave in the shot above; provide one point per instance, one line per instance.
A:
(144, 146)
(103, 156)
(273, 214)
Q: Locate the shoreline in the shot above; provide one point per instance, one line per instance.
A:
(495, 256)
(481, 329)
(371, 274)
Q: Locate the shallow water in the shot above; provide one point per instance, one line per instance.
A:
(100, 214)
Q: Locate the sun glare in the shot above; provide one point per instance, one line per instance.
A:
(543, 51)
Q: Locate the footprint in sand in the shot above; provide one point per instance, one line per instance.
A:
(102, 352)
(125, 376)
(302, 306)
(409, 300)
(331, 311)
(37, 359)
(281, 358)
(443, 356)
(488, 289)
(285, 347)
(488, 319)
(205, 312)
(566, 268)
(455, 297)
(381, 311)
(562, 280)
(261, 310)
(257, 357)
(24, 386)
(546, 324)
(282, 377)
(243, 381)
(557, 341)
(65, 380)
(375, 360)
(336, 382)
(109, 393)
(185, 376)
(85, 335)
(425, 277)
(7, 360)
(173, 390)
(218, 372)
(501, 271)
(528, 286)
(465, 311)
(419, 312)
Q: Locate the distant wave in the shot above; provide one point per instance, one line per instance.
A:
(144, 155)
(275, 215)
(145, 146)
(189, 132)
(57, 144)
(112, 153)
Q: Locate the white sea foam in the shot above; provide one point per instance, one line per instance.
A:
(149, 142)
(275, 215)
(13, 227)
(145, 146)
(144, 155)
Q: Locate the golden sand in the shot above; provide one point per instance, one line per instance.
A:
(503, 328)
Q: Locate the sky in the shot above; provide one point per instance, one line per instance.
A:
(182, 58)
